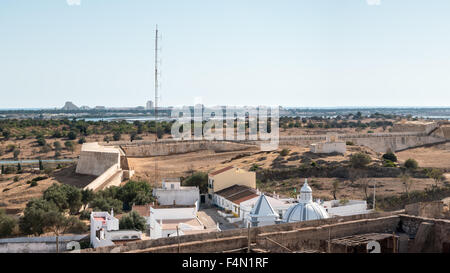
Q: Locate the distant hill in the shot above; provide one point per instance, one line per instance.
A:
(69, 106)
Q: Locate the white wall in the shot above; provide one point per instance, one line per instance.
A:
(186, 196)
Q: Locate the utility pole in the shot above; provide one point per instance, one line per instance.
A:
(374, 192)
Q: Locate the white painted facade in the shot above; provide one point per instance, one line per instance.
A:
(172, 193)
(105, 230)
(352, 207)
(331, 145)
(279, 206)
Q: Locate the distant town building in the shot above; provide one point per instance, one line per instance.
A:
(69, 106)
(172, 193)
(331, 145)
(100, 108)
(105, 230)
(149, 105)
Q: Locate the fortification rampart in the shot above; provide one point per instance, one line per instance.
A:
(161, 148)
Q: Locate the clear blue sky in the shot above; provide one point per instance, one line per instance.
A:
(229, 52)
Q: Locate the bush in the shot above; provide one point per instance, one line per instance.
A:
(72, 135)
(7, 224)
(360, 160)
(33, 184)
(390, 156)
(284, 152)
(411, 164)
(350, 143)
(389, 164)
(132, 221)
(81, 140)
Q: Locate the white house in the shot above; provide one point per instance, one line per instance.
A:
(172, 193)
(352, 207)
(105, 230)
(278, 205)
(166, 221)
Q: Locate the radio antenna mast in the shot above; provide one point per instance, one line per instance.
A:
(156, 100)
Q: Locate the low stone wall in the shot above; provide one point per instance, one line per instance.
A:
(160, 148)
(440, 234)
(308, 238)
(203, 237)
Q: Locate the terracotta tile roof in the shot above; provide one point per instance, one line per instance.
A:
(221, 171)
(237, 193)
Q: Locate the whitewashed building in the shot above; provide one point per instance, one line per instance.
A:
(331, 145)
(172, 193)
(278, 205)
(105, 230)
(352, 207)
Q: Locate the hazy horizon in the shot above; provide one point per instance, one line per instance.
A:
(306, 54)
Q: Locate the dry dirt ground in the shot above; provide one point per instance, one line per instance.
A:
(182, 165)
(14, 195)
(437, 156)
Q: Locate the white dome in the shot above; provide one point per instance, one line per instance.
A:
(306, 209)
(305, 212)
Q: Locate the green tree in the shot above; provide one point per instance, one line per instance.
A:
(72, 135)
(16, 154)
(64, 197)
(135, 192)
(198, 179)
(117, 136)
(436, 174)
(58, 224)
(34, 215)
(132, 221)
(41, 165)
(70, 146)
(106, 204)
(87, 196)
(360, 160)
(7, 224)
(335, 188)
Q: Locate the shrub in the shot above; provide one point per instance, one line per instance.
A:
(284, 152)
(389, 164)
(33, 184)
(72, 135)
(7, 224)
(132, 221)
(349, 143)
(411, 164)
(390, 156)
(360, 160)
